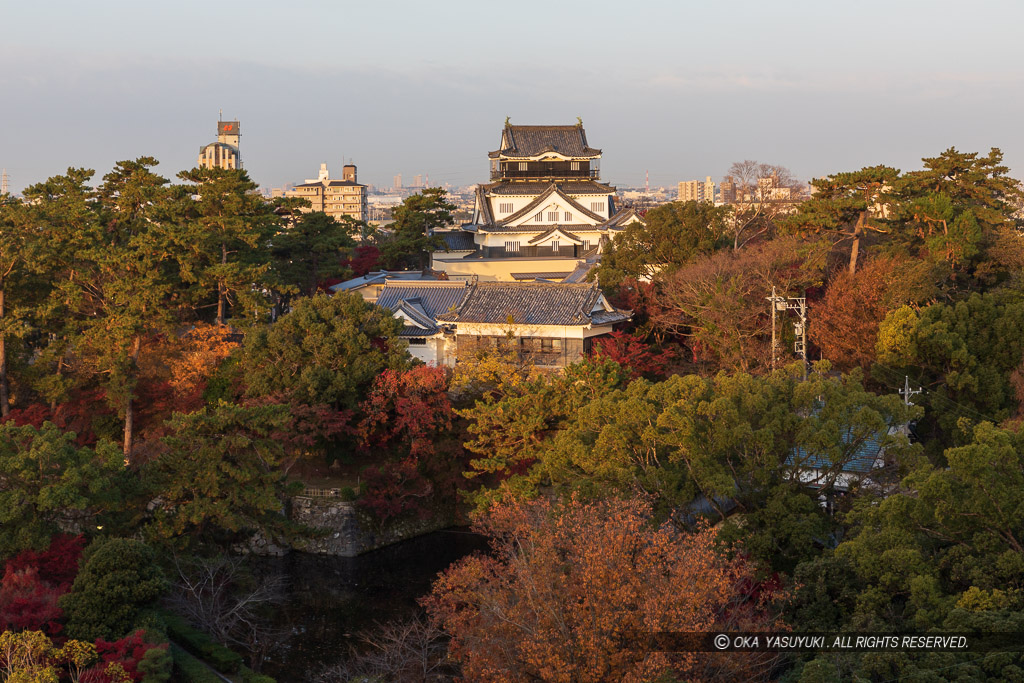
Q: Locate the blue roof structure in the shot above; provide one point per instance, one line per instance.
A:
(863, 460)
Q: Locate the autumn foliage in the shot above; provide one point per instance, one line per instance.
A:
(636, 356)
(126, 653)
(571, 593)
(27, 603)
(34, 581)
(407, 428)
(845, 322)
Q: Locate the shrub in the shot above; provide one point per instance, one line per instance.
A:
(119, 581)
(189, 669)
(202, 645)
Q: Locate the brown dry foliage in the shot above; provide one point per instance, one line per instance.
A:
(719, 301)
(844, 324)
(569, 593)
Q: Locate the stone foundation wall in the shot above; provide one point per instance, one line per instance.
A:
(347, 532)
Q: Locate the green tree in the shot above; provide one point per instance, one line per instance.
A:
(965, 354)
(310, 251)
(20, 286)
(957, 204)
(954, 542)
(63, 209)
(223, 247)
(511, 428)
(219, 479)
(119, 580)
(47, 483)
(847, 206)
(412, 234)
(670, 236)
(326, 351)
(129, 285)
(736, 446)
(27, 657)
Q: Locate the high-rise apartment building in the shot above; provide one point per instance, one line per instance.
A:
(398, 181)
(697, 191)
(336, 198)
(728, 190)
(223, 153)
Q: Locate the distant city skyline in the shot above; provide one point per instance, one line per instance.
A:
(681, 90)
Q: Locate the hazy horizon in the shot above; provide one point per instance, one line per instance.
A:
(679, 90)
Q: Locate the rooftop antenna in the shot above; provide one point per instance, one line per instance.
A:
(220, 114)
(3, 183)
(647, 182)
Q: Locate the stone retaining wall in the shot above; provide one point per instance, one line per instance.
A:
(347, 532)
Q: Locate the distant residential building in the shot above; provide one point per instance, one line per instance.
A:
(223, 153)
(544, 212)
(336, 198)
(398, 182)
(697, 191)
(551, 325)
(727, 195)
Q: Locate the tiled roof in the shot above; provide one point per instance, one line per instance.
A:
(609, 317)
(538, 202)
(553, 230)
(528, 303)
(580, 274)
(380, 276)
(527, 227)
(413, 308)
(621, 217)
(485, 207)
(458, 240)
(435, 297)
(570, 187)
(529, 141)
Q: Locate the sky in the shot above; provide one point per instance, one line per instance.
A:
(676, 89)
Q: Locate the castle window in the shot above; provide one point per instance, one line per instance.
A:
(539, 217)
(568, 217)
(554, 245)
(575, 165)
(597, 207)
(522, 165)
(505, 207)
(417, 341)
(552, 216)
(511, 246)
(586, 245)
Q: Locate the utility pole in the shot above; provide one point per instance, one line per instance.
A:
(775, 303)
(793, 303)
(907, 393)
(799, 304)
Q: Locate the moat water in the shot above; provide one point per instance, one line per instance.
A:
(328, 601)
